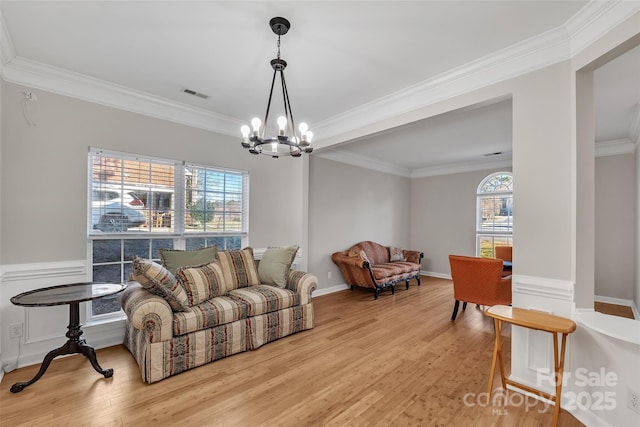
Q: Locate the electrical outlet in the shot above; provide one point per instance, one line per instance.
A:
(15, 330)
(633, 400)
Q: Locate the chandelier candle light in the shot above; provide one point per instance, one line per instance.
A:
(287, 142)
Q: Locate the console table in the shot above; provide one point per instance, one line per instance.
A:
(533, 320)
(72, 295)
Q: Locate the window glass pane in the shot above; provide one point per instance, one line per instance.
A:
(105, 305)
(130, 193)
(136, 247)
(196, 243)
(109, 273)
(487, 244)
(158, 244)
(106, 251)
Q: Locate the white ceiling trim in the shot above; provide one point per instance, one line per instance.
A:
(364, 162)
(7, 51)
(460, 168)
(45, 77)
(615, 147)
(532, 54)
(595, 19)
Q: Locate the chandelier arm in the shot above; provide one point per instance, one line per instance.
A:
(287, 107)
(266, 115)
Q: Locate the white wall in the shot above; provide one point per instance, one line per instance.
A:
(615, 226)
(443, 217)
(349, 204)
(43, 173)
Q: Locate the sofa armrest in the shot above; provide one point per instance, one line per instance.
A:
(342, 258)
(413, 256)
(147, 312)
(303, 283)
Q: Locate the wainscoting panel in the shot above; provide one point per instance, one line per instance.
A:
(44, 328)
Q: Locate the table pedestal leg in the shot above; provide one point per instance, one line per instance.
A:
(75, 344)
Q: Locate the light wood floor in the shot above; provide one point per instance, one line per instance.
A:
(395, 361)
(613, 309)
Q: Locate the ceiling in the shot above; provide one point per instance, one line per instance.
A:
(351, 63)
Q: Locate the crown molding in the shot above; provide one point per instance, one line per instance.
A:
(364, 162)
(556, 45)
(595, 19)
(7, 51)
(614, 147)
(37, 75)
(460, 168)
(537, 52)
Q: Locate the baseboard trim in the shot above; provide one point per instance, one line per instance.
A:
(436, 275)
(330, 290)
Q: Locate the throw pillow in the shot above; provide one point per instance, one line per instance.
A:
(159, 281)
(396, 254)
(201, 283)
(238, 268)
(275, 265)
(173, 259)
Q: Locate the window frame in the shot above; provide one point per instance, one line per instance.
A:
(179, 234)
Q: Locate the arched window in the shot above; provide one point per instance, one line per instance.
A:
(494, 213)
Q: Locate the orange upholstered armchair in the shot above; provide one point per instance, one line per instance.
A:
(478, 281)
(504, 253)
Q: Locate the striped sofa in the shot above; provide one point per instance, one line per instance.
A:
(371, 265)
(166, 340)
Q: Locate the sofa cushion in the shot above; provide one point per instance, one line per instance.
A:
(159, 281)
(238, 268)
(265, 299)
(390, 269)
(173, 259)
(202, 282)
(275, 265)
(214, 312)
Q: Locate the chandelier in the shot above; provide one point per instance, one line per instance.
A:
(287, 142)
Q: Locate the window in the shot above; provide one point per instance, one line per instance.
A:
(494, 218)
(139, 205)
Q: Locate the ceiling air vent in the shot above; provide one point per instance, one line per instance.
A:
(194, 93)
(497, 153)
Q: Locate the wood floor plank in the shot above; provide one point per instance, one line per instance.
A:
(398, 360)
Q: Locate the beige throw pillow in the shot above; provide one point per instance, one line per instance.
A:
(159, 281)
(396, 254)
(275, 265)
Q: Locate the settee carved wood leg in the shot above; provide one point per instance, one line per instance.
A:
(376, 291)
(464, 306)
(455, 310)
(393, 289)
(407, 284)
(351, 288)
